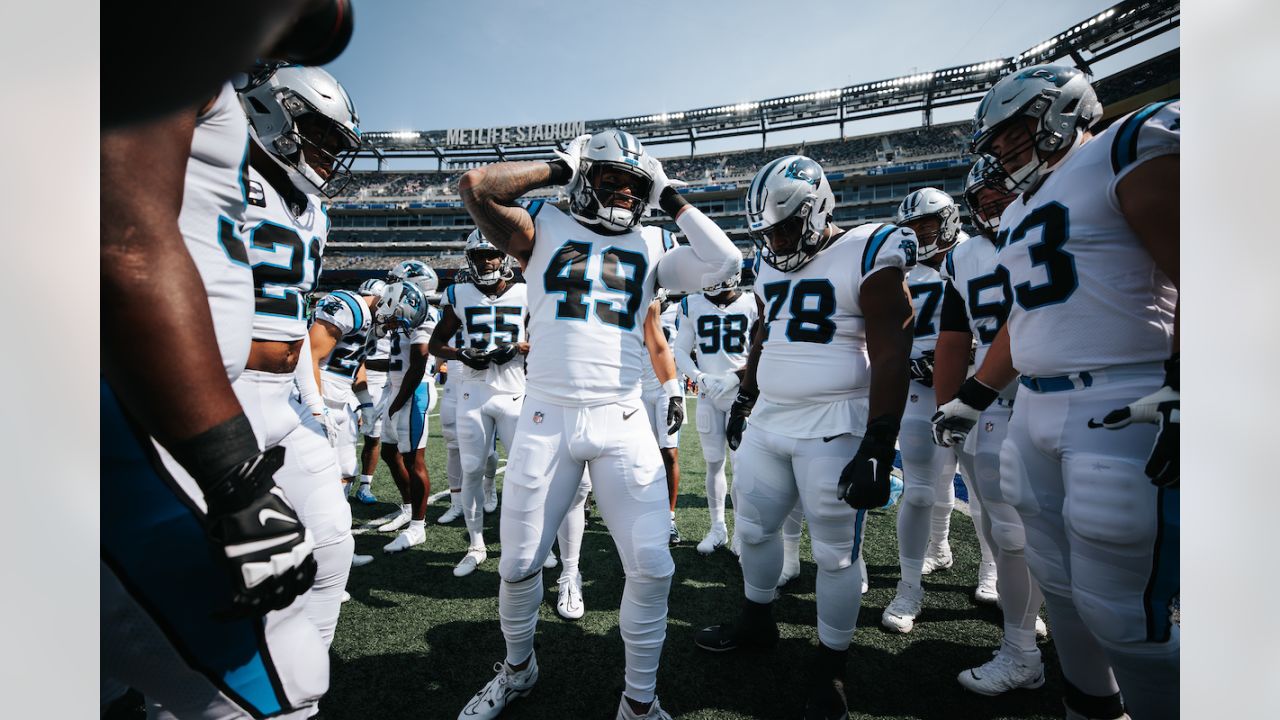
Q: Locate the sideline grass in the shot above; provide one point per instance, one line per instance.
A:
(416, 642)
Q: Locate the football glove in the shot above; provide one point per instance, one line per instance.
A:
(865, 482)
(954, 420)
(922, 369)
(572, 155)
(329, 420)
(660, 182)
(503, 354)
(473, 358)
(1162, 409)
(266, 547)
(738, 414)
(367, 418)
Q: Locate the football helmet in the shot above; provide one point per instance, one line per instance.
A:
(372, 286)
(305, 120)
(402, 308)
(986, 176)
(730, 284)
(592, 200)
(789, 196)
(476, 250)
(1058, 97)
(418, 273)
(932, 203)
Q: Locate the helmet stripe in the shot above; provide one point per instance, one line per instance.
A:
(756, 193)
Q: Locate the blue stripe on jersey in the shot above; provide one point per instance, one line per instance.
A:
(1164, 583)
(153, 538)
(535, 207)
(874, 243)
(684, 305)
(451, 295)
(356, 305)
(1124, 147)
(951, 264)
(667, 242)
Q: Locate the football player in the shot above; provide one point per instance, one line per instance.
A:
(928, 470)
(491, 310)
(831, 361)
(197, 602)
(303, 126)
(715, 324)
(592, 274)
(374, 373)
(409, 395)
(1089, 260)
(973, 309)
(663, 396)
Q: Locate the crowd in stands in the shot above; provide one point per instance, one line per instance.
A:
(1151, 74)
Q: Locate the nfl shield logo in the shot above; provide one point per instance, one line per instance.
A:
(537, 417)
(989, 426)
(466, 396)
(915, 397)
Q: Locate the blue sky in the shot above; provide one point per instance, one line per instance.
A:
(481, 63)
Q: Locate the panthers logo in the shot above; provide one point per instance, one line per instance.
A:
(804, 169)
(331, 306)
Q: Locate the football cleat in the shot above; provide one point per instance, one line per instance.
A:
(826, 701)
(453, 513)
(986, 592)
(862, 566)
(550, 562)
(1042, 630)
(902, 612)
(1008, 670)
(569, 597)
(755, 629)
(716, 537)
(937, 557)
(491, 498)
(470, 562)
(790, 564)
(365, 495)
(360, 560)
(396, 521)
(506, 686)
(407, 538)
(655, 711)
(345, 596)
(674, 538)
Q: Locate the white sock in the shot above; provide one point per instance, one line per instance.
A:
(839, 599)
(366, 479)
(455, 497)
(913, 537)
(642, 622)
(518, 614)
(940, 522)
(453, 467)
(472, 508)
(716, 490)
(569, 534)
(761, 566)
(418, 525)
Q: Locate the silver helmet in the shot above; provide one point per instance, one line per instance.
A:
(402, 308)
(372, 286)
(729, 284)
(591, 201)
(932, 203)
(791, 194)
(304, 118)
(986, 175)
(418, 273)
(1058, 97)
(478, 245)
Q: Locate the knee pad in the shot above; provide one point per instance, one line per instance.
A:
(327, 515)
(513, 569)
(919, 495)
(832, 558)
(653, 561)
(748, 530)
(1006, 527)
(1110, 501)
(471, 464)
(712, 452)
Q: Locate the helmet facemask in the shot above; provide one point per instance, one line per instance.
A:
(482, 273)
(317, 152)
(799, 236)
(599, 197)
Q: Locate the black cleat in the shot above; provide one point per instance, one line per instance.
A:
(826, 701)
(754, 630)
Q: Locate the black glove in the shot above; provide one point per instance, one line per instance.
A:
(1162, 408)
(922, 369)
(474, 359)
(864, 482)
(675, 414)
(738, 414)
(503, 354)
(266, 547)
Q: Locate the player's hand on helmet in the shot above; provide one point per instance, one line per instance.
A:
(954, 420)
(738, 414)
(473, 358)
(1160, 408)
(503, 354)
(660, 180)
(864, 482)
(265, 545)
(922, 369)
(572, 155)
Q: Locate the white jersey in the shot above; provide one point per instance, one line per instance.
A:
(489, 321)
(353, 319)
(211, 221)
(970, 268)
(588, 294)
(926, 286)
(814, 372)
(285, 250)
(398, 358)
(1086, 293)
(379, 349)
(720, 335)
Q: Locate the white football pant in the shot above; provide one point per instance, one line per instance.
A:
(711, 418)
(482, 415)
(928, 472)
(655, 405)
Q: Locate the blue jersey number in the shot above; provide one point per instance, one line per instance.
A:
(997, 312)
(812, 303)
(932, 294)
(728, 332)
(620, 270)
(274, 286)
(1059, 265)
(487, 324)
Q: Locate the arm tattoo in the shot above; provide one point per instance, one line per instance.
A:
(489, 194)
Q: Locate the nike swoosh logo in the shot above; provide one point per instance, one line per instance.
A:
(516, 398)
(266, 514)
(627, 415)
(833, 437)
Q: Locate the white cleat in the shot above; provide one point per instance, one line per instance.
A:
(345, 596)
(396, 521)
(902, 612)
(986, 592)
(790, 571)
(569, 597)
(937, 557)
(550, 562)
(470, 562)
(490, 497)
(716, 537)
(1042, 630)
(1008, 670)
(453, 513)
(506, 686)
(655, 712)
(407, 538)
(360, 560)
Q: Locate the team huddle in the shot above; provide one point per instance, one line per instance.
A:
(1039, 357)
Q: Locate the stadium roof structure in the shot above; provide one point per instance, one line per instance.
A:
(1091, 40)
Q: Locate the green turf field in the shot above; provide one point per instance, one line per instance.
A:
(416, 642)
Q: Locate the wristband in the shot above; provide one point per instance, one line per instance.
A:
(976, 395)
(883, 429)
(672, 388)
(561, 173)
(671, 202)
(214, 452)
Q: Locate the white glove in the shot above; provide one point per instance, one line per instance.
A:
(330, 422)
(952, 423)
(727, 385)
(368, 417)
(384, 402)
(572, 155)
(660, 181)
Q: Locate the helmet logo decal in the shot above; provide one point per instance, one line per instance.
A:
(804, 169)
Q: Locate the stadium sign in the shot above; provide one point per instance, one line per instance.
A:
(519, 134)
